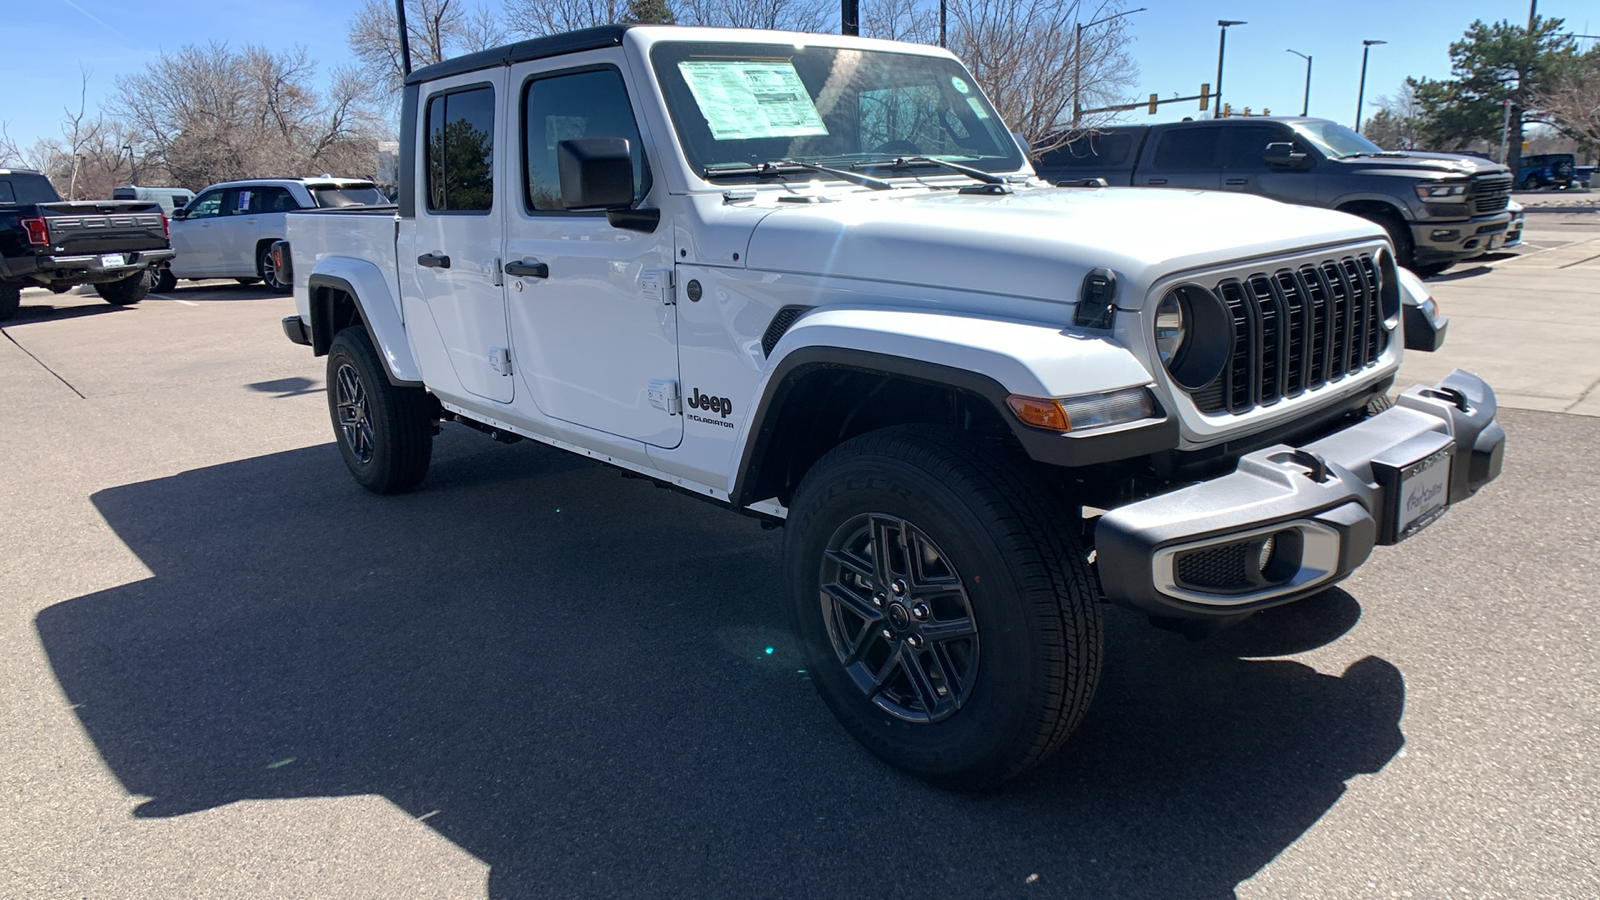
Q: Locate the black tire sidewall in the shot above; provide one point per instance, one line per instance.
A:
(395, 419)
(125, 291)
(271, 282)
(983, 736)
(10, 299)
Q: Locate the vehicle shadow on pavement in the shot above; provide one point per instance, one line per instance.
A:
(36, 310)
(586, 683)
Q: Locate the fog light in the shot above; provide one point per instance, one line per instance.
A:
(1445, 234)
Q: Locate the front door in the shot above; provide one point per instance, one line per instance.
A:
(455, 257)
(591, 322)
(197, 237)
(1184, 157)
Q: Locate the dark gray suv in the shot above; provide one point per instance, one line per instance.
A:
(1438, 208)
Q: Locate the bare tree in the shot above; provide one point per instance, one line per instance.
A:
(539, 17)
(436, 30)
(1022, 52)
(210, 114)
(1571, 101)
(916, 21)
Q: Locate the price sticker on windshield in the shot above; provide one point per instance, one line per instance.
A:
(744, 99)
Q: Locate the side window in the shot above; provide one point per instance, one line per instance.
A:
(7, 195)
(460, 151)
(206, 206)
(1247, 143)
(1092, 150)
(580, 104)
(271, 200)
(1188, 149)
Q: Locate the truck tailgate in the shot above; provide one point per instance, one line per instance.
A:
(104, 226)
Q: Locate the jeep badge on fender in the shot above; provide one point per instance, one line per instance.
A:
(720, 405)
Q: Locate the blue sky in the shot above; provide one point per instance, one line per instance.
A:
(1175, 46)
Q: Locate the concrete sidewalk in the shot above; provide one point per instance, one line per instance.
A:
(1528, 324)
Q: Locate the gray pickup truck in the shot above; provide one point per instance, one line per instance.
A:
(1438, 208)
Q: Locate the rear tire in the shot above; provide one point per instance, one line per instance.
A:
(124, 291)
(992, 611)
(384, 432)
(10, 299)
(269, 271)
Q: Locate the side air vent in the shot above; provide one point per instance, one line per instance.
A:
(780, 323)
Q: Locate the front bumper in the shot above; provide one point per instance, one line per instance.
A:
(1457, 240)
(1290, 521)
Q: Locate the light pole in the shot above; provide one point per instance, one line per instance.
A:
(1305, 104)
(1077, 61)
(1222, 45)
(1361, 92)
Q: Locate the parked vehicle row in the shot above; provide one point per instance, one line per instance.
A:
(1437, 208)
(224, 232)
(54, 244)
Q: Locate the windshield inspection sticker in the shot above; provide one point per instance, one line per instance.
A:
(743, 99)
(960, 84)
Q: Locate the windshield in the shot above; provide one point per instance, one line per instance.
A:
(357, 194)
(740, 105)
(1334, 140)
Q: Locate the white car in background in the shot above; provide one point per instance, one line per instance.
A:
(225, 231)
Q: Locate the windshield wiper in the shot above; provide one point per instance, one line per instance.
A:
(776, 168)
(907, 162)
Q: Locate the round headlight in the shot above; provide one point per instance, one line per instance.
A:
(1170, 327)
(1193, 334)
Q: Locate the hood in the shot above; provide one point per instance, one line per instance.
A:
(1037, 242)
(1420, 163)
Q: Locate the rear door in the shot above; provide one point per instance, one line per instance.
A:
(1183, 156)
(454, 260)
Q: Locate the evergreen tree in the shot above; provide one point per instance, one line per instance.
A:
(650, 12)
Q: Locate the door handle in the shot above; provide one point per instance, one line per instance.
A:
(1237, 181)
(528, 268)
(1155, 181)
(434, 261)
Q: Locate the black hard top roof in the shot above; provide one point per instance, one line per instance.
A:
(535, 48)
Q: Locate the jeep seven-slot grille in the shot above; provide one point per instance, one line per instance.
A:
(1490, 193)
(1295, 330)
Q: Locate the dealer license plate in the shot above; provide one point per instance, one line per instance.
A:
(1424, 493)
(113, 261)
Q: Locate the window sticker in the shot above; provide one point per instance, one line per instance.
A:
(960, 84)
(977, 107)
(744, 99)
(244, 201)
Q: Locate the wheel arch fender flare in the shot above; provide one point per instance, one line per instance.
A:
(364, 283)
(1363, 198)
(989, 358)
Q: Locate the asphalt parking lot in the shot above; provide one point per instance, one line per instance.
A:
(233, 673)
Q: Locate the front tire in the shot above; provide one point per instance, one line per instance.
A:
(943, 603)
(124, 291)
(268, 271)
(162, 280)
(384, 432)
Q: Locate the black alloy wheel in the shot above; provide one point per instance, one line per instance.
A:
(353, 413)
(899, 618)
(269, 271)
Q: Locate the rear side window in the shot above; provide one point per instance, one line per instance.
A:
(268, 199)
(25, 188)
(353, 194)
(1188, 148)
(460, 151)
(1097, 151)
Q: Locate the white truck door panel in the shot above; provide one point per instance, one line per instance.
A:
(592, 322)
(457, 244)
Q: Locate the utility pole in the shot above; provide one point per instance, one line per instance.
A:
(850, 16)
(1306, 103)
(941, 22)
(1222, 46)
(1361, 92)
(1077, 59)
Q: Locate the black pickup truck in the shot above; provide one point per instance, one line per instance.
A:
(50, 243)
(1438, 208)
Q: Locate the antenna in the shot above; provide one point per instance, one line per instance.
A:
(405, 37)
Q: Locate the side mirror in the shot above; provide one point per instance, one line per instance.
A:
(596, 173)
(179, 214)
(1281, 155)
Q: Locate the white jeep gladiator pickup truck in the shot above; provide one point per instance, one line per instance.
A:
(813, 279)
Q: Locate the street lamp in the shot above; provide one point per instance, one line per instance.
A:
(1306, 103)
(1222, 45)
(1077, 60)
(1361, 92)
